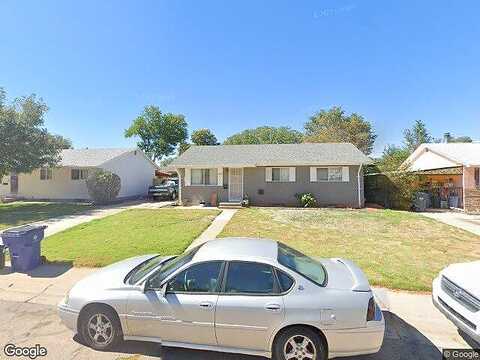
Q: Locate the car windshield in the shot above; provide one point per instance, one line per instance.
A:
(302, 264)
(167, 268)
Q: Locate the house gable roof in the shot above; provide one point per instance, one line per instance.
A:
(90, 157)
(271, 155)
(467, 154)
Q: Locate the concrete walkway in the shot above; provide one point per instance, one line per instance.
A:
(215, 227)
(458, 219)
(55, 225)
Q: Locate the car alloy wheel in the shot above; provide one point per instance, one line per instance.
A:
(299, 347)
(100, 330)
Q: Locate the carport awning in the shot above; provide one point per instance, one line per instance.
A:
(445, 171)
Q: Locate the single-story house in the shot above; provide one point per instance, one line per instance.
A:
(272, 174)
(451, 172)
(66, 181)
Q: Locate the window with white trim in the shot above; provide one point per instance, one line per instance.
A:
(329, 174)
(45, 173)
(79, 174)
(204, 176)
(280, 174)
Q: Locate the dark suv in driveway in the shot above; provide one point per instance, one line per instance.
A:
(168, 189)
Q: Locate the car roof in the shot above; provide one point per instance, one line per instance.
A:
(252, 249)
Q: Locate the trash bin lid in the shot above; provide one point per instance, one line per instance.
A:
(22, 230)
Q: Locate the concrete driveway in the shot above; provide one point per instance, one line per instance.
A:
(415, 329)
(458, 219)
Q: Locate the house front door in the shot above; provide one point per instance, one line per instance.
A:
(235, 184)
(13, 183)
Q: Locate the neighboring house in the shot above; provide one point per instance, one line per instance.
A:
(66, 181)
(271, 174)
(451, 172)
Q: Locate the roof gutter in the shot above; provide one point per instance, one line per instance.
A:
(359, 190)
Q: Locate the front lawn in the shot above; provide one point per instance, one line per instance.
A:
(20, 212)
(396, 249)
(129, 233)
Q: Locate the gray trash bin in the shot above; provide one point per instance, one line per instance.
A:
(420, 201)
(24, 246)
(453, 201)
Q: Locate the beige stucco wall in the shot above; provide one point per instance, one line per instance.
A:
(136, 173)
(134, 169)
(61, 186)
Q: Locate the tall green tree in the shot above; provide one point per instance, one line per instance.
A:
(266, 135)
(159, 134)
(335, 126)
(25, 144)
(415, 136)
(203, 137)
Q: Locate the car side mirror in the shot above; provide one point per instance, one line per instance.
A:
(163, 290)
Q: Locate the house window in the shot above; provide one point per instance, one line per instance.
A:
(280, 174)
(335, 174)
(79, 174)
(477, 177)
(204, 176)
(45, 173)
(322, 174)
(332, 174)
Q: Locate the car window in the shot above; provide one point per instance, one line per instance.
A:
(251, 278)
(302, 264)
(168, 268)
(285, 281)
(202, 278)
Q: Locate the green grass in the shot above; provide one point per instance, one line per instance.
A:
(396, 249)
(129, 233)
(19, 213)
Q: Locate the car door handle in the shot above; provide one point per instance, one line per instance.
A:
(206, 305)
(273, 307)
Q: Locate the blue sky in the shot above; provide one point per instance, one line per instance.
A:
(233, 65)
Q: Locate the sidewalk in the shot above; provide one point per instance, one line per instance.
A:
(215, 227)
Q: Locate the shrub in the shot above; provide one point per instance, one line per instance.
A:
(307, 200)
(103, 186)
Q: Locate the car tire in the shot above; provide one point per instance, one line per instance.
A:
(291, 341)
(105, 335)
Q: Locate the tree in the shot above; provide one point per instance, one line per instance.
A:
(392, 158)
(182, 147)
(203, 137)
(266, 135)
(335, 126)
(416, 136)
(25, 144)
(159, 133)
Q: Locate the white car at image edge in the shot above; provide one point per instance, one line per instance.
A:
(250, 296)
(456, 293)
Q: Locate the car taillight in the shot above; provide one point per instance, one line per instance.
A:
(371, 309)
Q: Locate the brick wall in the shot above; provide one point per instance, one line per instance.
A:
(472, 200)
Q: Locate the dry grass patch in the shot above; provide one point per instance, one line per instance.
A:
(396, 249)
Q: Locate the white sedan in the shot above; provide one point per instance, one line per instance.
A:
(249, 296)
(456, 293)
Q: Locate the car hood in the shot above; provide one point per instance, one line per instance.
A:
(344, 274)
(465, 275)
(112, 276)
